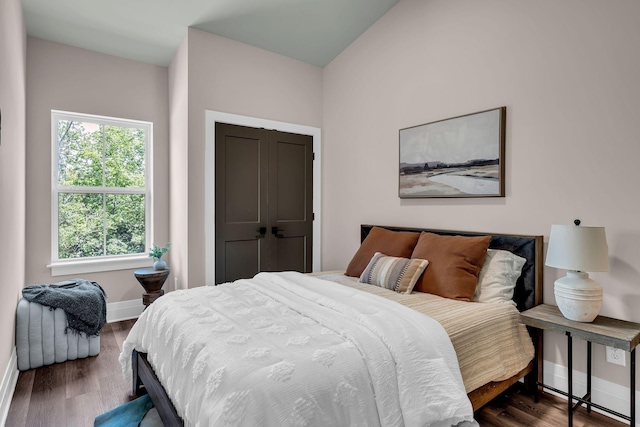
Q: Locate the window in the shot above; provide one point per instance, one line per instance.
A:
(101, 198)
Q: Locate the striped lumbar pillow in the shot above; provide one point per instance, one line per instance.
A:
(398, 274)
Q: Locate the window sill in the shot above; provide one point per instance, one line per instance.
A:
(62, 268)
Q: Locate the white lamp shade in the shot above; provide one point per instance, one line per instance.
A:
(578, 248)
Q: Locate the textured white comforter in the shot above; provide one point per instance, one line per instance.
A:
(288, 349)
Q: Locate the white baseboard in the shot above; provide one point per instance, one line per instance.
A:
(124, 310)
(8, 386)
(603, 392)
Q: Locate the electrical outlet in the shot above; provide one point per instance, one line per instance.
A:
(175, 283)
(616, 356)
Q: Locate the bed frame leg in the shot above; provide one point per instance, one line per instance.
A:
(135, 377)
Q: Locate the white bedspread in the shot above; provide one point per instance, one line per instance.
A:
(288, 349)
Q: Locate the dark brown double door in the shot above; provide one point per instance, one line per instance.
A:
(264, 202)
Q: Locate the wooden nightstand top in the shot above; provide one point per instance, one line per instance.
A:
(603, 330)
(150, 272)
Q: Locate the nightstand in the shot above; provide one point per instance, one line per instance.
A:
(152, 282)
(603, 330)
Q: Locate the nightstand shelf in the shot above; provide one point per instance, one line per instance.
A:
(603, 330)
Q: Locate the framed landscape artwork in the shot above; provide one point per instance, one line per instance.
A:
(458, 157)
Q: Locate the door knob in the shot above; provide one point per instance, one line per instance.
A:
(262, 232)
(277, 232)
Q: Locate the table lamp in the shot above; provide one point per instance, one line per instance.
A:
(578, 249)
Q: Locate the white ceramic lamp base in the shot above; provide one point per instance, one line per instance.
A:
(578, 297)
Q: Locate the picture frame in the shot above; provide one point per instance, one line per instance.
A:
(461, 156)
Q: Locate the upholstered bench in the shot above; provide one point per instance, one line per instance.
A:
(41, 338)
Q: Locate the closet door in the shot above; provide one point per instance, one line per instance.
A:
(290, 201)
(242, 158)
(264, 202)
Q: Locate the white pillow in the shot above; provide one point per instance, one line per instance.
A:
(498, 276)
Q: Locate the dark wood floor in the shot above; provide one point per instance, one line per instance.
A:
(73, 393)
(516, 408)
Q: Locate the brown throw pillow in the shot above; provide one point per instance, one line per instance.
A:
(391, 243)
(454, 264)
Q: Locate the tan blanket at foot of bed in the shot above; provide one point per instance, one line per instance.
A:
(490, 342)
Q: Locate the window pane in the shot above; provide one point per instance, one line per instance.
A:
(125, 224)
(108, 155)
(80, 225)
(124, 157)
(79, 153)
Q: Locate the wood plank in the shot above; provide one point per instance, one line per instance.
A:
(81, 378)
(514, 416)
(114, 389)
(603, 330)
(21, 399)
(81, 410)
(516, 408)
(106, 363)
(121, 330)
(47, 404)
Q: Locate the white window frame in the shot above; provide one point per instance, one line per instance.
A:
(107, 262)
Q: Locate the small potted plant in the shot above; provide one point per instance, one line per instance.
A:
(157, 253)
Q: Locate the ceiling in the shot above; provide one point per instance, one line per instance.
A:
(313, 31)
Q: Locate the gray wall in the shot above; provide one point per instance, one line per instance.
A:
(61, 77)
(567, 72)
(12, 172)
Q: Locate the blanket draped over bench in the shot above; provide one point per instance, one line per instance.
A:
(84, 303)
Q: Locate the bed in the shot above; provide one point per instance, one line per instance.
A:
(479, 390)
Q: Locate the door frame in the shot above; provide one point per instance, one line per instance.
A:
(213, 117)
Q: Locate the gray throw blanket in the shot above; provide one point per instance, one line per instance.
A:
(84, 303)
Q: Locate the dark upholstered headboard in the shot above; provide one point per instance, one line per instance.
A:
(528, 292)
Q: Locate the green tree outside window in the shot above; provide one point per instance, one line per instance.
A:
(101, 189)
